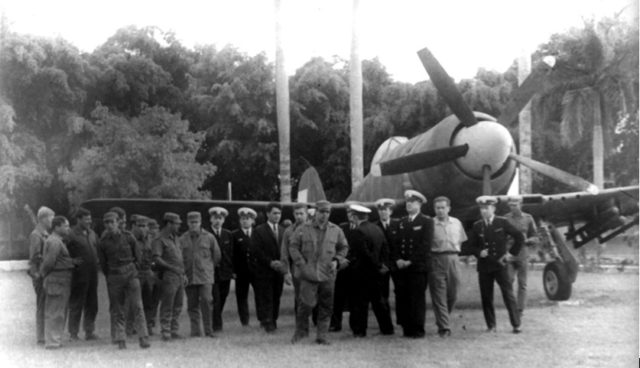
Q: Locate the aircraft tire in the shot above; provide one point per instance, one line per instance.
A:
(555, 280)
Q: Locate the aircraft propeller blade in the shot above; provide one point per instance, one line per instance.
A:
(555, 173)
(419, 161)
(525, 91)
(447, 88)
(486, 180)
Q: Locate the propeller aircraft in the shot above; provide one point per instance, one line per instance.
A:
(466, 155)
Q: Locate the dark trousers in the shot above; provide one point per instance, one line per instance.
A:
(268, 290)
(199, 307)
(314, 296)
(40, 301)
(340, 297)
(365, 291)
(243, 281)
(384, 281)
(501, 277)
(171, 302)
(123, 287)
(220, 291)
(411, 304)
(83, 300)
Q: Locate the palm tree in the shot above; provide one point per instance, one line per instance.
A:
(596, 81)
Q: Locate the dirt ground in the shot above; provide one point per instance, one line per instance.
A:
(597, 327)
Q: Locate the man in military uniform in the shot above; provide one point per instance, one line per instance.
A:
(224, 271)
(242, 261)
(366, 265)
(122, 225)
(300, 215)
(409, 260)
(83, 244)
(269, 276)
(156, 291)
(444, 278)
(36, 243)
(168, 258)
(389, 227)
(56, 269)
(146, 275)
(200, 252)
(317, 249)
(488, 242)
(343, 278)
(116, 252)
(525, 223)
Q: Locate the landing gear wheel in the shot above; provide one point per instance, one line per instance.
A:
(556, 282)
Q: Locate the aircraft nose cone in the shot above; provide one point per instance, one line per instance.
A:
(489, 144)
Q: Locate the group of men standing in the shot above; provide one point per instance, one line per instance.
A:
(332, 268)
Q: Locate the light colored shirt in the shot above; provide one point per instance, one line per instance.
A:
(448, 235)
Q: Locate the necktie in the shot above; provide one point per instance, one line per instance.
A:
(275, 231)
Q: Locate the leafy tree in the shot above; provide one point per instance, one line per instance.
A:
(152, 155)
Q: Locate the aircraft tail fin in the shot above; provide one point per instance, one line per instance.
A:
(310, 187)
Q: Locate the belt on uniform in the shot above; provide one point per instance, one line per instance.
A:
(444, 253)
(122, 269)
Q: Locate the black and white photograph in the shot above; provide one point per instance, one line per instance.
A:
(336, 183)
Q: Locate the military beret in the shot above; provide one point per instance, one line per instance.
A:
(516, 199)
(218, 211)
(486, 200)
(412, 195)
(110, 216)
(153, 224)
(141, 219)
(194, 215)
(385, 202)
(246, 211)
(323, 204)
(359, 208)
(44, 212)
(173, 217)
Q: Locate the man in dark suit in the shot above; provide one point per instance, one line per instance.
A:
(268, 272)
(367, 242)
(389, 227)
(242, 261)
(409, 259)
(224, 271)
(488, 242)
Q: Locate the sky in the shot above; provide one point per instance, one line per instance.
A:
(463, 34)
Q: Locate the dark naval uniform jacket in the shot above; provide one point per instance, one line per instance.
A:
(390, 234)
(225, 270)
(242, 262)
(493, 237)
(413, 243)
(366, 245)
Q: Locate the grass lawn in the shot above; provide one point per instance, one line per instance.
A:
(597, 327)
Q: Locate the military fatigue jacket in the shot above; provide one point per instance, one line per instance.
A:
(493, 237)
(36, 244)
(167, 250)
(55, 256)
(200, 252)
(313, 247)
(116, 251)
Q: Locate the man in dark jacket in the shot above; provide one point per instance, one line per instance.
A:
(365, 247)
(389, 227)
(409, 257)
(488, 242)
(242, 261)
(83, 243)
(269, 275)
(224, 270)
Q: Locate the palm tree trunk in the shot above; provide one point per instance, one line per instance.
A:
(355, 103)
(282, 103)
(524, 127)
(598, 144)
